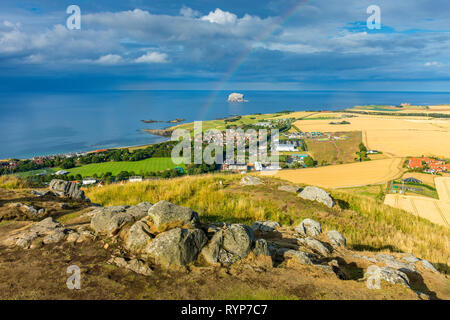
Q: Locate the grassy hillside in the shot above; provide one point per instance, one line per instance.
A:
(367, 223)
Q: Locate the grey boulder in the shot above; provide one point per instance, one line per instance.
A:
(110, 220)
(309, 227)
(67, 189)
(138, 236)
(140, 210)
(317, 194)
(288, 188)
(165, 212)
(375, 274)
(336, 238)
(316, 246)
(265, 226)
(176, 247)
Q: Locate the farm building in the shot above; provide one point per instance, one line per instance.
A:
(411, 180)
(89, 181)
(135, 179)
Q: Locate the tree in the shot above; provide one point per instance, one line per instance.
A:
(309, 162)
(68, 163)
(362, 147)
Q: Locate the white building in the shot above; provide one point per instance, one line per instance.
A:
(258, 166)
(89, 181)
(286, 147)
(61, 172)
(135, 179)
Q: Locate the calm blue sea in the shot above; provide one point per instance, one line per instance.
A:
(34, 124)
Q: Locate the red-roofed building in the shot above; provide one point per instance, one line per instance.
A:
(432, 164)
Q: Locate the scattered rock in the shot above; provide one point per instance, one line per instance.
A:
(317, 194)
(336, 238)
(25, 240)
(301, 257)
(375, 274)
(55, 236)
(40, 193)
(265, 226)
(410, 258)
(288, 188)
(176, 247)
(46, 226)
(134, 265)
(29, 210)
(164, 213)
(67, 189)
(250, 181)
(309, 227)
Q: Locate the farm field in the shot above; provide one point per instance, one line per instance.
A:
(346, 175)
(393, 136)
(147, 165)
(437, 211)
(335, 151)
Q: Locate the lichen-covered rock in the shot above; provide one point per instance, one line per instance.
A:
(29, 210)
(309, 227)
(54, 237)
(138, 236)
(317, 194)
(45, 226)
(410, 258)
(176, 247)
(336, 238)
(110, 220)
(165, 213)
(67, 189)
(375, 274)
(300, 256)
(250, 181)
(288, 188)
(238, 239)
(140, 210)
(392, 262)
(262, 247)
(265, 226)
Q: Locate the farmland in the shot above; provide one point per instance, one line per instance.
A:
(147, 165)
(437, 211)
(393, 136)
(346, 175)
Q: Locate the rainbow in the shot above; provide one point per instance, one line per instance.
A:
(234, 68)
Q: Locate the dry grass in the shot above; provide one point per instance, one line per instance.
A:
(346, 175)
(367, 223)
(12, 182)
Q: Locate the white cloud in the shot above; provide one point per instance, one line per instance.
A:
(432, 64)
(189, 12)
(220, 17)
(110, 59)
(152, 57)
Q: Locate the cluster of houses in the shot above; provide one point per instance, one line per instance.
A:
(8, 164)
(303, 135)
(429, 165)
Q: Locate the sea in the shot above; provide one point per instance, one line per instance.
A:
(45, 123)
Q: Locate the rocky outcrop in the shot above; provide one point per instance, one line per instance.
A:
(165, 213)
(317, 194)
(250, 181)
(110, 220)
(309, 227)
(375, 274)
(336, 239)
(176, 247)
(316, 246)
(67, 189)
(236, 97)
(139, 236)
(134, 265)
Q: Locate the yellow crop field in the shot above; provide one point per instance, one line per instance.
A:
(346, 175)
(396, 137)
(437, 211)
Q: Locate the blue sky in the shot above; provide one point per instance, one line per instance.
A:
(229, 45)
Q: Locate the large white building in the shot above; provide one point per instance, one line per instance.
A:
(286, 147)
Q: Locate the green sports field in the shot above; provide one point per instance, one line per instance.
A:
(147, 165)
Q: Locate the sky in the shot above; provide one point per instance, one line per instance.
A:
(225, 45)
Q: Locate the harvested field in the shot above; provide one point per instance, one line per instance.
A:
(346, 175)
(437, 211)
(393, 136)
